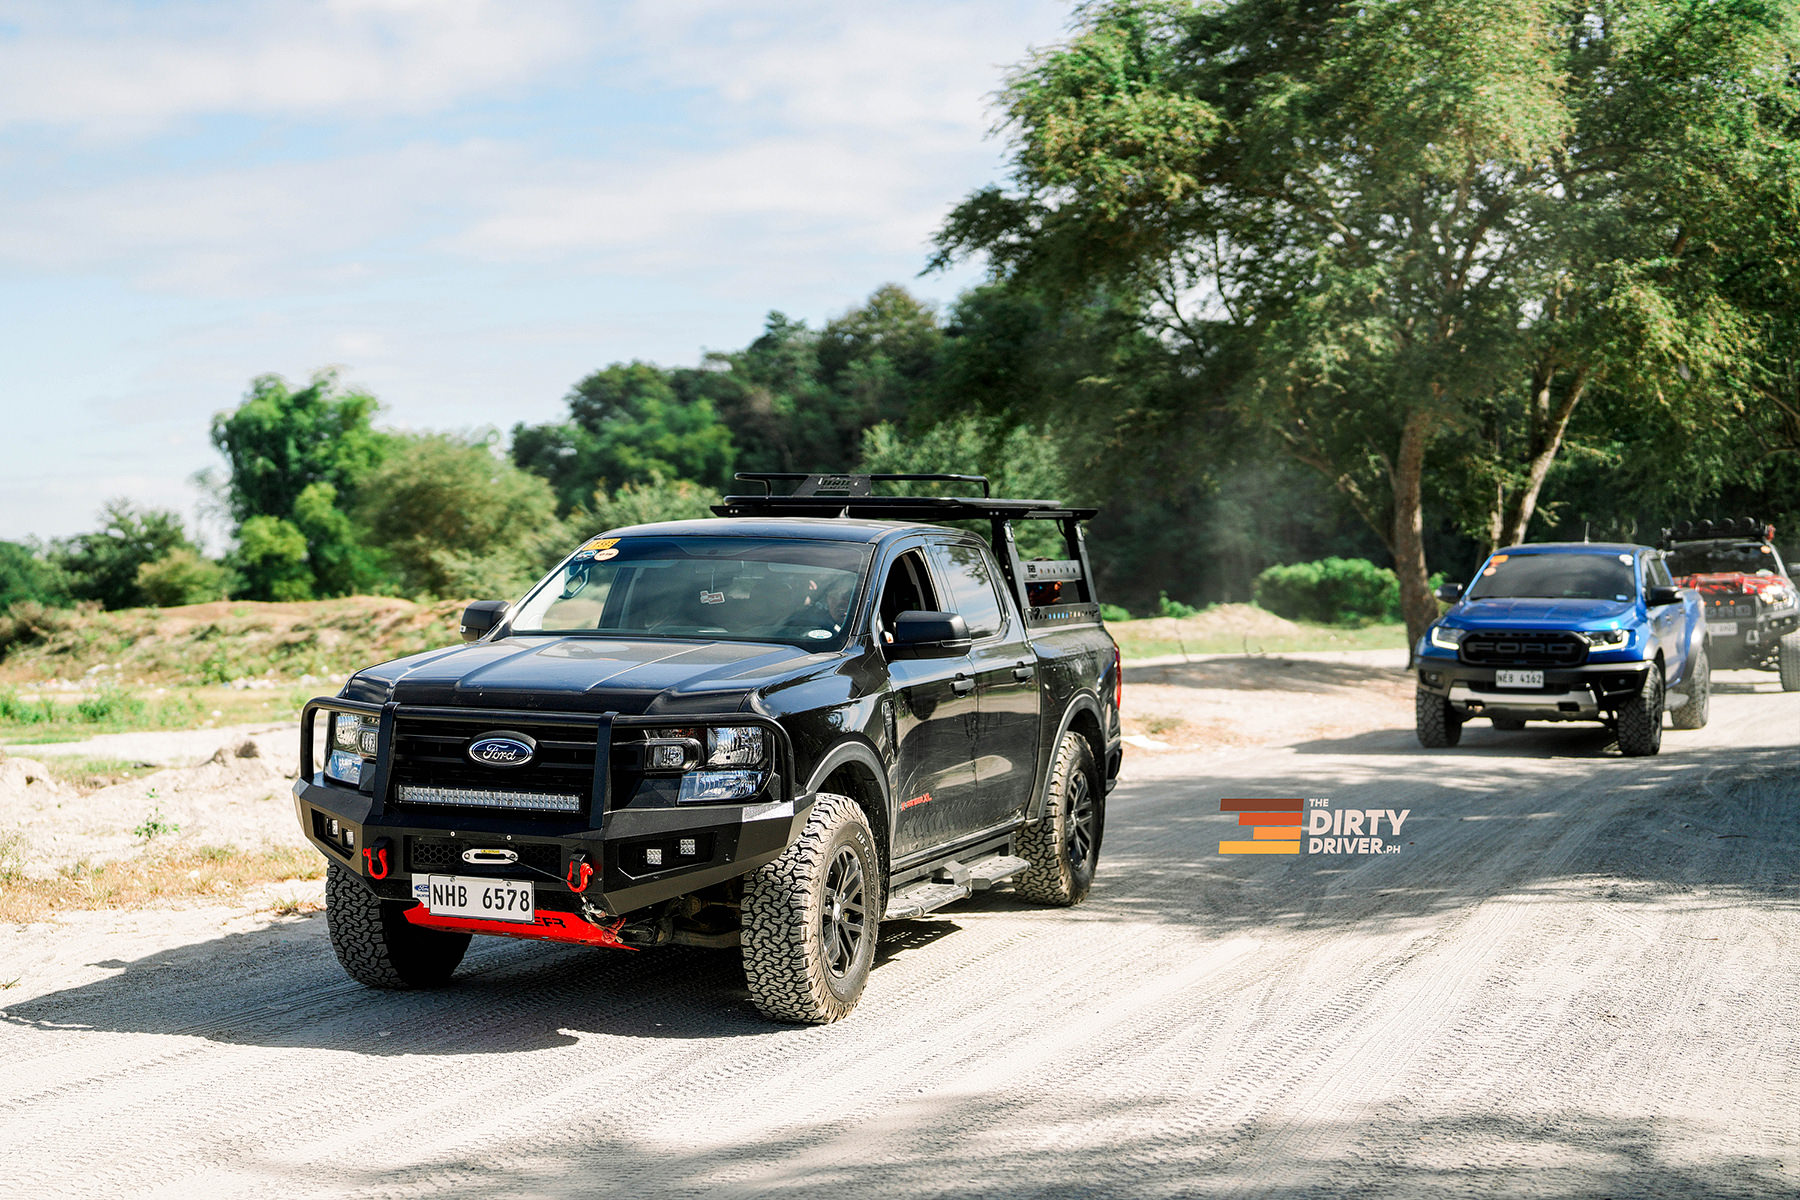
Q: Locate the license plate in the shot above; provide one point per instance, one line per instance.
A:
(1722, 628)
(1519, 679)
(467, 896)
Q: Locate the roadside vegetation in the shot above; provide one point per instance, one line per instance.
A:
(158, 876)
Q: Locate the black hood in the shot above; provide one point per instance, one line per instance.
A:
(585, 674)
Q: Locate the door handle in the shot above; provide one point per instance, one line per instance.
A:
(962, 685)
(1022, 672)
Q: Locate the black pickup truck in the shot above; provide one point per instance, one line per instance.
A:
(772, 730)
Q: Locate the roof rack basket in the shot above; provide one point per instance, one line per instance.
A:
(1051, 592)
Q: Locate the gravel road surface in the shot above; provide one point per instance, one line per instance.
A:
(1576, 977)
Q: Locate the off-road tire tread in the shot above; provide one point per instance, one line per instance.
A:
(782, 964)
(1640, 720)
(1051, 878)
(1787, 661)
(377, 946)
(1438, 725)
(1693, 714)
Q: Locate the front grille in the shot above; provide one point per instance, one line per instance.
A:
(1729, 609)
(431, 765)
(444, 855)
(1524, 649)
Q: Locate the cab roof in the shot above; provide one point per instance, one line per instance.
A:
(825, 529)
(1574, 548)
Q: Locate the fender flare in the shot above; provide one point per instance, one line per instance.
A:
(863, 754)
(1083, 701)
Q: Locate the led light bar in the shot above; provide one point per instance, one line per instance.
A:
(488, 798)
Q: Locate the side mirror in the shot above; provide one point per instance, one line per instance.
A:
(479, 619)
(929, 635)
(1657, 597)
(1449, 593)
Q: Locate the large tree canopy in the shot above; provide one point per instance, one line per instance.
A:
(1393, 222)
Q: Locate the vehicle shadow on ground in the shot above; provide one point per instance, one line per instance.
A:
(1147, 1146)
(1479, 738)
(266, 987)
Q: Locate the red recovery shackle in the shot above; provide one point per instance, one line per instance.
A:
(377, 858)
(579, 870)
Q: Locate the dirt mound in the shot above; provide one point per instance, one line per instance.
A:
(233, 639)
(1220, 618)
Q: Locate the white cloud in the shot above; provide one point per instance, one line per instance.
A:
(126, 68)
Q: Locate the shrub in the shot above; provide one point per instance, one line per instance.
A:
(1331, 591)
(181, 576)
(110, 703)
(1166, 607)
(1113, 612)
(27, 622)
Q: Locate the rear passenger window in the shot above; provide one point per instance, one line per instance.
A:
(973, 580)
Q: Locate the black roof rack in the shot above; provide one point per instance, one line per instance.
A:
(817, 495)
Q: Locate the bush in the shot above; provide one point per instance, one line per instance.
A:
(1166, 607)
(28, 622)
(1114, 612)
(1331, 591)
(181, 577)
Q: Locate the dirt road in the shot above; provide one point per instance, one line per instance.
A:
(1576, 977)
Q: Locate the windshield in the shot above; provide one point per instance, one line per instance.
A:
(1556, 577)
(716, 588)
(1723, 558)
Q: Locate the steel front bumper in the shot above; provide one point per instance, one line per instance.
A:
(1754, 640)
(1581, 693)
(604, 862)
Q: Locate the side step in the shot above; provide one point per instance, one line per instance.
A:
(951, 882)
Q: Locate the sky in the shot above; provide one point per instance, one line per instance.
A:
(462, 206)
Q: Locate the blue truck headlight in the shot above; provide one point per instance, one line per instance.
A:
(354, 740)
(1445, 638)
(1607, 639)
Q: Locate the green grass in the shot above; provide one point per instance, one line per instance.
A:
(1138, 642)
(92, 774)
(112, 709)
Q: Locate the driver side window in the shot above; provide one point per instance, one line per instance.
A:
(907, 589)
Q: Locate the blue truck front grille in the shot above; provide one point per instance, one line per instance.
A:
(1531, 648)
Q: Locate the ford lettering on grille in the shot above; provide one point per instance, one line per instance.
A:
(502, 749)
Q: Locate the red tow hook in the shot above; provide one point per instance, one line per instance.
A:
(377, 858)
(578, 866)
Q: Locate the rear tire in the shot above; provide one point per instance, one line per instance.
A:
(812, 916)
(1693, 714)
(1640, 720)
(1063, 848)
(1508, 724)
(377, 945)
(1788, 661)
(1439, 726)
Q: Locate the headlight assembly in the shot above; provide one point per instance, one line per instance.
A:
(735, 746)
(1445, 638)
(1607, 639)
(1776, 597)
(355, 738)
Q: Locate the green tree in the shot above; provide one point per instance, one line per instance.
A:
(270, 559)
(103, 565)
(298, 456)
(182, 576)
(26, 573)
(1397, 225)
(658, 499)
(457, 521)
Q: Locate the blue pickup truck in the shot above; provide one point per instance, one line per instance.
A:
(1566, 631)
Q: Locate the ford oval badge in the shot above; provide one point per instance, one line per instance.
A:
(503, 749)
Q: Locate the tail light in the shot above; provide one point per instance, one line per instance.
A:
(1118, 679)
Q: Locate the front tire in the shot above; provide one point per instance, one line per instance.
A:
(1693, 714)
(1640, 720)
(1788, 661)
(1438, 725)
(812, 916)
(1063, 848)
(377, 945)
